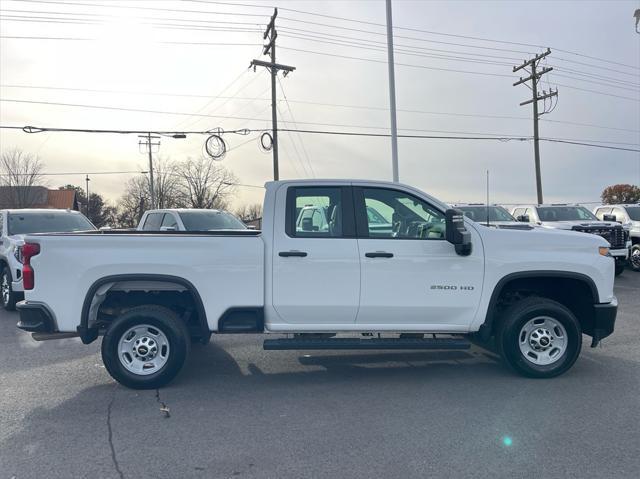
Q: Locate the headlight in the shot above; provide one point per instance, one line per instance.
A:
(604, 251)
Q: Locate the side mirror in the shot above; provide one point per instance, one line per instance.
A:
(167, 228)
(609, 218)
(456, 232)
(524, 218)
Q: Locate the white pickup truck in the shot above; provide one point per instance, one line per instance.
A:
(435, 280)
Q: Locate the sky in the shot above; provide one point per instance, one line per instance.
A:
(192, 57)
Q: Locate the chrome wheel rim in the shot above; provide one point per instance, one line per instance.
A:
(543, 340)
(6, 290)
(143, 349)
(635, 258)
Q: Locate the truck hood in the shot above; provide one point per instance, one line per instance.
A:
(541, 238)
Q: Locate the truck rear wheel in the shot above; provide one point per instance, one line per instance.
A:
(146, 347)
(539, 338)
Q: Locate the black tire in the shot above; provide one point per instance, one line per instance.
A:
(509, 336)
(634, 258)
(10, 298)
(620, 265)
(160, 319)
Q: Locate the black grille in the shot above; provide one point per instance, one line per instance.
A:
(614, 235)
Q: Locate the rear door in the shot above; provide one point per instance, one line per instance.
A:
(411, 277)
(316, 266)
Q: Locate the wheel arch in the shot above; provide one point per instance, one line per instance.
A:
(88, 333)
(535, 279)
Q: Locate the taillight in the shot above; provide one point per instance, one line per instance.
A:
(29, 250)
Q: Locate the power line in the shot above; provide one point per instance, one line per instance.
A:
(430, 32)
(315, 103)
(329, 132)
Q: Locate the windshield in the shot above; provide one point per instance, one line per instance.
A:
(633, 212)
(479, 213)
(44, 222)
(210, 220)
(565, 213)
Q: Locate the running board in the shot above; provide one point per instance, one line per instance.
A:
(357, 343)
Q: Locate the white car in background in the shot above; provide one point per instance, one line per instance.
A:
(189, 219)
(14, 224)
(629, 217)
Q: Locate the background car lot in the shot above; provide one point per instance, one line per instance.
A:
(238, 411)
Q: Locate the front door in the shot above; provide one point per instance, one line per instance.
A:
(411, 276)
(316, 266)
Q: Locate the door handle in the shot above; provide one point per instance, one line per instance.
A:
(286, 254)
(379, 254)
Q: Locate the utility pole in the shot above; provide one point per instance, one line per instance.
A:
(270, 48)
(87, 180)
(534, 77)
(392, 95)
(149, 143)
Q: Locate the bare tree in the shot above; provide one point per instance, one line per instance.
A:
(134, 202)
(168, 184)
(248, 213)
(206, 184)
(20, 174)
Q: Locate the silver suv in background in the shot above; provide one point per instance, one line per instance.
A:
(629, 217)
(578, 218)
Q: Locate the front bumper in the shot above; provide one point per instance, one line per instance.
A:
(35, 318)
(620, 253)
(604, 320)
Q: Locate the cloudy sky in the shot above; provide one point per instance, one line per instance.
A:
(108, 60)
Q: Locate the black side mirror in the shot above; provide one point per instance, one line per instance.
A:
(609, 218)
(456, 232)
(523, 218)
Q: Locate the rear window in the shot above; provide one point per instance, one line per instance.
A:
(565, 213)
(26, 223)
(210, 221)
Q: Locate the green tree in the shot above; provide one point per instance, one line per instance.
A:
(620, 194)
(99, 212)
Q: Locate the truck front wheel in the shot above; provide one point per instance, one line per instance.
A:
(620, 264)
(539, 338)
(146, 347)
(634, 257)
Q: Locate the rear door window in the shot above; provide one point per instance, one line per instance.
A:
(320, 212)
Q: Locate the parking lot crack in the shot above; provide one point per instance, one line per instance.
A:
(114, 458)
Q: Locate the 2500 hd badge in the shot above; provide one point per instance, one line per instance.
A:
(451, 287)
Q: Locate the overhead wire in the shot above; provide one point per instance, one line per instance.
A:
(315, 103)
(293, 121)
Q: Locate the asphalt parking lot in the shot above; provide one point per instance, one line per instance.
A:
(238, 411)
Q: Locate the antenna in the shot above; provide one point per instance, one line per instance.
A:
(487, 197)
